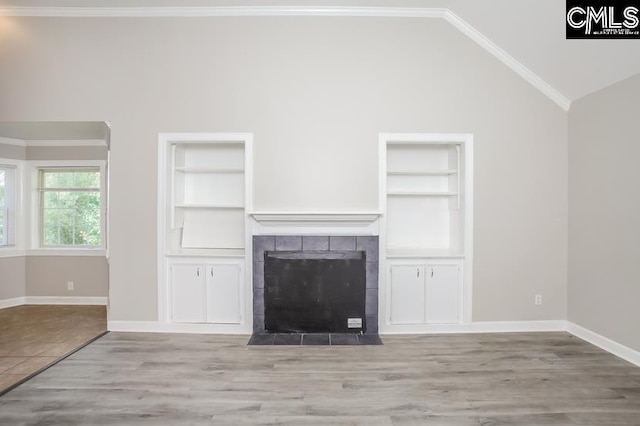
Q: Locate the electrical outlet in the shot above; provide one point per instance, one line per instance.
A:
(538, 299)
(70, 285)
(354, 322)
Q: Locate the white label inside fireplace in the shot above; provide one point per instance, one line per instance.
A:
(354, 322)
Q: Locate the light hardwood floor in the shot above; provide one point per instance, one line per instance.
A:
(534, 379)
(34, 336)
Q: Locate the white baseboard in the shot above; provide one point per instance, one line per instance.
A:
(9, 303)
(165, 327)
(477, 327)
(55, 300)
(605, 343)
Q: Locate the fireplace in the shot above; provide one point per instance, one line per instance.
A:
(314, 292)
(315, 284)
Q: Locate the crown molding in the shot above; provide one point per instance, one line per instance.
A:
(508, 60)
(213, 11)
(238, 11)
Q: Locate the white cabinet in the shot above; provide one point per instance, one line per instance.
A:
(223, 293)
(206, 292)
(442, 295)
(187, 293)
(407, 294)
(424, 293)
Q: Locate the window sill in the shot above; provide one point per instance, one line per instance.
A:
(11, 251)
(97, 252)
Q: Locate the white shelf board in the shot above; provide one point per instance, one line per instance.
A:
(209, 170)
(210, 206)
(422, 172)
(407, 252)
(421, 193)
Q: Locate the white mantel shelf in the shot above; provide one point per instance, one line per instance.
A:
(311, 223)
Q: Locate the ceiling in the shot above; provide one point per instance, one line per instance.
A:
(530, 31)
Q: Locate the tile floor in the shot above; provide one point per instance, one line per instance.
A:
(34, 336)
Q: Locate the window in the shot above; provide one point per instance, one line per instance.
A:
(7, 205)
(70, 207)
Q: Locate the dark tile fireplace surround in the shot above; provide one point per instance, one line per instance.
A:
(323, 249)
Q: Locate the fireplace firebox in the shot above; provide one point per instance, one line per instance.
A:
(314, 292)
(315, 284)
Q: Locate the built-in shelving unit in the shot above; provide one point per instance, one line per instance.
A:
(204, 196)
(425, 186)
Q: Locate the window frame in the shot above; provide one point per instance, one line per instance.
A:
(37, 245)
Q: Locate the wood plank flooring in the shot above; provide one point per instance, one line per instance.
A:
(34, 336)
(534, 379)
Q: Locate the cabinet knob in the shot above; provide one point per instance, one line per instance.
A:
(431, 272)
(417, 272)
(211, 271)
(198, 271)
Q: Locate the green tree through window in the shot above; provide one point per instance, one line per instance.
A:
(70, 207)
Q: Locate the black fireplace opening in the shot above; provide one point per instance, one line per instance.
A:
(314, 292)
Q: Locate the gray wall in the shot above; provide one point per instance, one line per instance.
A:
(66, 153)
(604, 208)
(48, 276)
(12, 151)
(315, 91)
(12, 277)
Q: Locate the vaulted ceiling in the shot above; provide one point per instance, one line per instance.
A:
(530, 31)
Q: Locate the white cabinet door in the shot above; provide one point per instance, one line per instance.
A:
(443, 294)
(407, 294)
(187, 293)
(223, 293)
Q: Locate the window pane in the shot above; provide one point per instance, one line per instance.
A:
(86, 179)
(71, 179)
(2, 225)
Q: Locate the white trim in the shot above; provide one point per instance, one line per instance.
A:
(57, 300)
(220, 11)
(388, 12)
(164, 327)
(10, 303)
(476, 327)
(63, 143)
(11, 141)
(308, 223)
(613, 347)
(515, 65)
